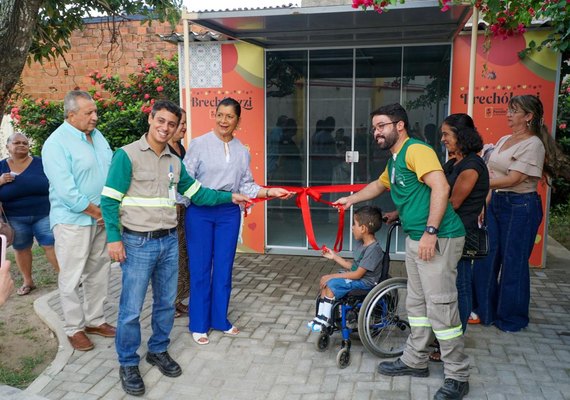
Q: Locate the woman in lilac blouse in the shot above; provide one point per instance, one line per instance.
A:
(218, 161)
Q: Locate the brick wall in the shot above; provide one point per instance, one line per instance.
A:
(91, 50)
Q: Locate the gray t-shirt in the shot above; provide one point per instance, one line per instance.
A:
(370, 258)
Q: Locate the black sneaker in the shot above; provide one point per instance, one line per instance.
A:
(452, 390)
(398, 368)
(165, 364)
(131, 380)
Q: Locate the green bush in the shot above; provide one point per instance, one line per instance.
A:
(561, 187)
(559, 224)
(123, 106)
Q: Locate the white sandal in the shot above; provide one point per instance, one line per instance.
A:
(233, 331)
(200, 338)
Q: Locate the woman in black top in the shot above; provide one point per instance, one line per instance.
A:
(468, 179)
(183, 291)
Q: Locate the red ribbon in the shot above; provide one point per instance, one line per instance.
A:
(315, 193)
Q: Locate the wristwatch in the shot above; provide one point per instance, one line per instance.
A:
(432, 230)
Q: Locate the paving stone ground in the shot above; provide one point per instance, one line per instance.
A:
(274, 357)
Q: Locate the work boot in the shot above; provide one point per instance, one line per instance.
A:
(165, 364)
(452, 390)
(131, 380)
(398, 368)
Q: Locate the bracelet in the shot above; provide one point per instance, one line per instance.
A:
(266, 192)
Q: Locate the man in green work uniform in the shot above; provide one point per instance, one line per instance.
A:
(140, 194)
(434, 243)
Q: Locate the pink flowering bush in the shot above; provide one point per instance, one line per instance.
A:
(506, 18)
(123, 106)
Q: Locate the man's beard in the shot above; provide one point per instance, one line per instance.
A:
(390, 140)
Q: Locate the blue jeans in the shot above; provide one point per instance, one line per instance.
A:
(464, 291)
(154, 260)
(502, 279)
(341, 286)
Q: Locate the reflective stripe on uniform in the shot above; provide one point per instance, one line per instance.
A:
(450, 333)
(129, 201)
(112, 193)
(419, 321)
(192, 189)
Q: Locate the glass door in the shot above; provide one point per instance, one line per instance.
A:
(318, 110)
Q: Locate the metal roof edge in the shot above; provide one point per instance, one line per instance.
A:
(293, 10)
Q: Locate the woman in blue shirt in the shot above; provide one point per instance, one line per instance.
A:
(24, 196)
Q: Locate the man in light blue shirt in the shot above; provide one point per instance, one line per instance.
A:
(76, 159)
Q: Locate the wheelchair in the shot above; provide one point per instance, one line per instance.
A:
(378, 315)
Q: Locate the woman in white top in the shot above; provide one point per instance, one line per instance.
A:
(518, 162)
(218, 161)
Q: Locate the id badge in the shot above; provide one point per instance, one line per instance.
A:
(172, 192)
(171, 187)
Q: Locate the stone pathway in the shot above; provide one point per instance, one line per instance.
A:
(274, 356)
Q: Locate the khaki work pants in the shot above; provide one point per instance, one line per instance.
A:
(432, 293)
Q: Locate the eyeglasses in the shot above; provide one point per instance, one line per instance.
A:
(380, 127)
(511, 111)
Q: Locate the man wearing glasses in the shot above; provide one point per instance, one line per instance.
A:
(434, 243)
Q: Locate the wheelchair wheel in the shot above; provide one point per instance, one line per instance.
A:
(383, 324)
(323, 341)
(343, 358)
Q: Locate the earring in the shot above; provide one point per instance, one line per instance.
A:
(528, 123)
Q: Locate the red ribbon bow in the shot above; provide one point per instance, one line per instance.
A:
(315, 193)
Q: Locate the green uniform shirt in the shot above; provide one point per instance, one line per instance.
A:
(403, 175)
(140, 190)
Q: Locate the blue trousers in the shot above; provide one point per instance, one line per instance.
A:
(464, 291)
(211, 234)
(148, 260)
(502, 280)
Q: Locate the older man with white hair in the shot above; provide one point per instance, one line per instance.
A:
(76, 159)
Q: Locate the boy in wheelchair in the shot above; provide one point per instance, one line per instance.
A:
(362, 273)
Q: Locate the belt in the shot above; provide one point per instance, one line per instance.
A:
(150, 235)
(509, 193)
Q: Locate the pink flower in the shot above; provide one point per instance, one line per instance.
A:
(93, 81)
(157, 81)
(159, 88)
(562, 125)
(146, 96)
(119, 103)
(43, 122)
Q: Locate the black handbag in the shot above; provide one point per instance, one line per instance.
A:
(477, 240)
